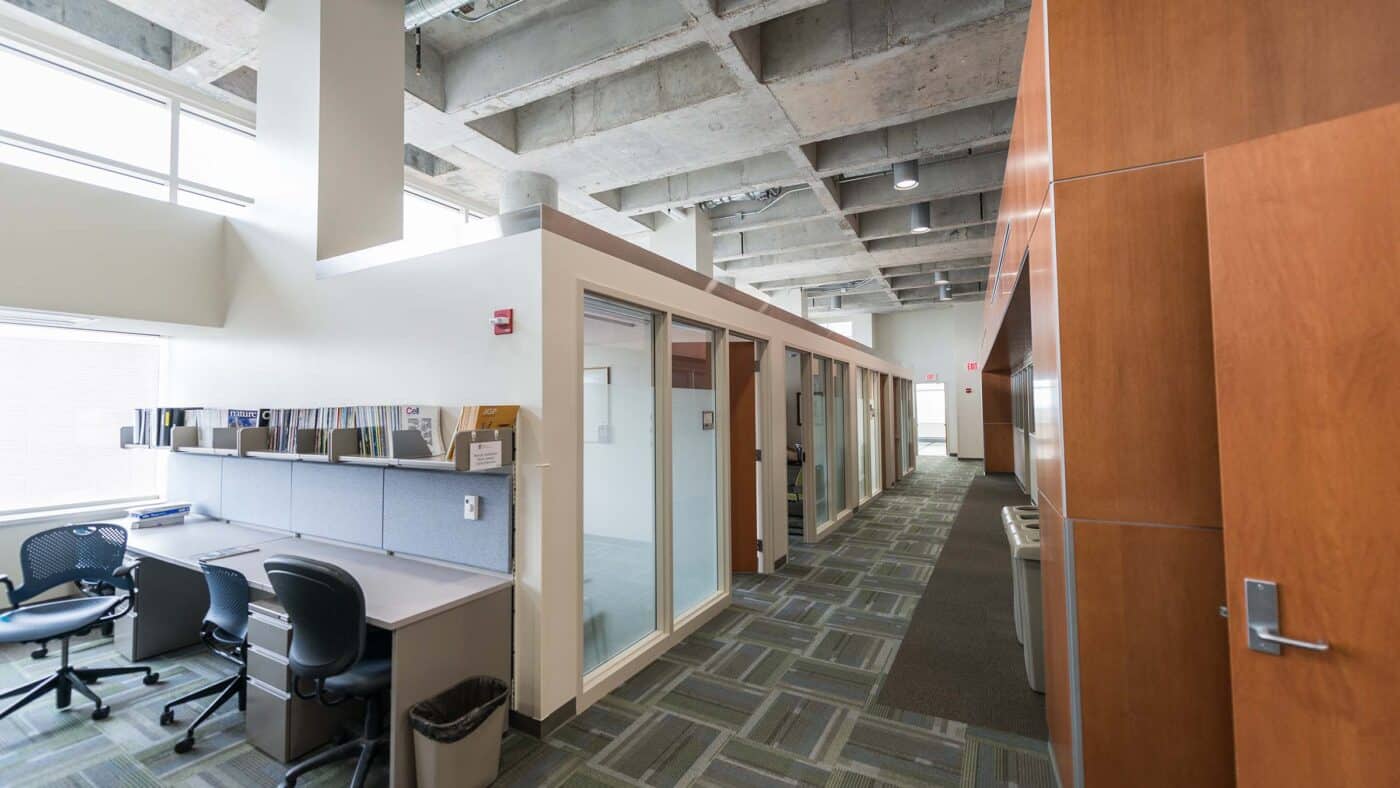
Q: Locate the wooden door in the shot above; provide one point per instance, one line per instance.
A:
(1305, 281)
(743, 451)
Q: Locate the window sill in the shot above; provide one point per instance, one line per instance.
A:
(104, 511)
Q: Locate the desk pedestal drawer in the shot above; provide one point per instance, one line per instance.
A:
(269, 634)
(286, 727)
(270, 669)
(170, 608)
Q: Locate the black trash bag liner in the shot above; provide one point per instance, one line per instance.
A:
(452, 714)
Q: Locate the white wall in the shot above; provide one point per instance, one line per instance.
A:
(67, 246)
(942, 341)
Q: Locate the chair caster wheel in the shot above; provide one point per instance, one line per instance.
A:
(184, 745)
(151, 678)
(101, 712)
(167, 717)
(39, 653)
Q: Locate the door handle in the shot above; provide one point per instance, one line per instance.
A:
(1274, 637)
(1261, 612)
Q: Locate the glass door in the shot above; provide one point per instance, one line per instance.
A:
(694, 468)
(619, 478)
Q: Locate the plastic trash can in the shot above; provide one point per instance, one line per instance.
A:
(457, 734)
(1025, 552)
(1013, 520)
(1009, 524)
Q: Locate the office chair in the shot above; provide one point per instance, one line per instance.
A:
(327, 611)
(87, 551)
(225, 631)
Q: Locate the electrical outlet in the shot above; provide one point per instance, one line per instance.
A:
(471, 507)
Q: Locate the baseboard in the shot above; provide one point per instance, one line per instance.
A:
(542, 728)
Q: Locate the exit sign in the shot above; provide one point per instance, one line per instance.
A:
(972, 366)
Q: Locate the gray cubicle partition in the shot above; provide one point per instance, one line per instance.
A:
(423, 516)
(257, 492)
(344, 502)
(197, 479)
(415, 512)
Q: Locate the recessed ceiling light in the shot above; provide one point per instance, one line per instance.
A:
(919, 218)
(906, 175)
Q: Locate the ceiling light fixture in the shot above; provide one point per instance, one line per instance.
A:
(919, 215)
(906, 175)
(941, 278)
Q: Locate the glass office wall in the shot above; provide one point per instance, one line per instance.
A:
(839, 380)
(820, 461)
(872, 428)
(862, 433)
(694, 463)
(619, 478)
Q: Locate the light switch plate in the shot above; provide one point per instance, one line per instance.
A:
(471, 507)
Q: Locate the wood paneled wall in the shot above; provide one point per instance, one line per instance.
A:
(1135, 83)
(1107, 215)
(998, 445)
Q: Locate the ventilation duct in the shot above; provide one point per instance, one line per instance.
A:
(417, 13)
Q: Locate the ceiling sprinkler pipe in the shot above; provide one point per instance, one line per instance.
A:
(417, 13)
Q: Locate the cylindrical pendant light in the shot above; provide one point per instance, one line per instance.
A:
(906, 175)
(919, 218)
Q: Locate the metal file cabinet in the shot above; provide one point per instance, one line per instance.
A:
(280, 724)
(171, 602)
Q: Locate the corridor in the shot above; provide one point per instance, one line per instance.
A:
(781, 688)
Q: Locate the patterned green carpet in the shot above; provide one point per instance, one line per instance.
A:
(777, 690)
(780, 688)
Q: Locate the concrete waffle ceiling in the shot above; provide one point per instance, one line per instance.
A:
(639, 107)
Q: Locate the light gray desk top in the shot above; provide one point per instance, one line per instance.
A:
(398, 591)
(182, 543)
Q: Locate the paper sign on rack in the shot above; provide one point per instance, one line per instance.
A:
(485, 456)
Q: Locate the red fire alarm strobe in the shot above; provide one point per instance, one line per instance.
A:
(972, 366)
(503, 321)
(931, 376)
(967, 391)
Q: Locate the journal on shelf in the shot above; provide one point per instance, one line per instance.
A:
(485, 417)
(374, 425)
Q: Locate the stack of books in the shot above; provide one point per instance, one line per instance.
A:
(158, 514)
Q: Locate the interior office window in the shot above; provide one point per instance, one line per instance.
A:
(820, 461)
(425, 218)
(67, 394)
(216, 155)
(843, 327)
(839, 380)
(862, 435)
(694, 464)
(619, 478)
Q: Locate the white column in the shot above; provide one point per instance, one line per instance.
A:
(793, 300)
(524, 189)
(330, 122)
(686, 239)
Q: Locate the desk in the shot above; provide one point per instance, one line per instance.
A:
(440, 616)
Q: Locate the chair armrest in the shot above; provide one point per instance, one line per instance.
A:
(127, 570)
(9, 590)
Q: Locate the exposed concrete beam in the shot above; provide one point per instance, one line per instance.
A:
(946, 214)
(941, 134)
(740, 14)
(977, 238)
(836, 251)
(894, 272)
(789, 237)
(744, 215)
(958, 276)
(130, 32)
(675, 81)
(691, 188)
(940, 181)
(579, 43)
(840, 68)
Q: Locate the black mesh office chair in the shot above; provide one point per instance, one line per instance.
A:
(88, 551)
(328, 651)
(225, 631)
